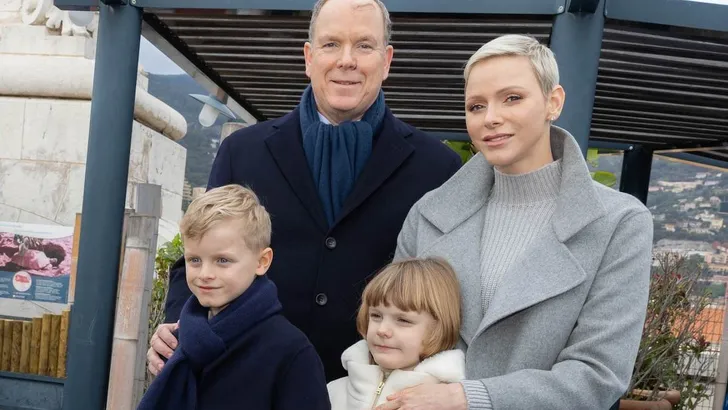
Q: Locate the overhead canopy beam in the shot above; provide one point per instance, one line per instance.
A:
(688, 158)
(182, 48)
(542, 7)
(193, 71)
(681, 13)
(76, 4)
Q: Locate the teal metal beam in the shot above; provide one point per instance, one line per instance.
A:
(107, 165)
(583, 6)
(680, 13)
(76, 4)
(576, 40)
(542, 7)
(29, 391)
(636, 169)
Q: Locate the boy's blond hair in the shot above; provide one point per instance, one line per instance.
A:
(229, 202)
(420, 285)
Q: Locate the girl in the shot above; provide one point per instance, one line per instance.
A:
(410, 321)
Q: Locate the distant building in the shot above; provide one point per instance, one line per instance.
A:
(680, 246)
(717, 258)
(716, 224)
(701, 231)
(681, 186)
(187, 191)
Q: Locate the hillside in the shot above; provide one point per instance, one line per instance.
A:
(201, 143)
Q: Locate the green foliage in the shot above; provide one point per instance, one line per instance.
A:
(166, 256)
(463, 148)
(603, 177)
(592, 157)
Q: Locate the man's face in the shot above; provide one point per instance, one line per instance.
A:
(348, 59)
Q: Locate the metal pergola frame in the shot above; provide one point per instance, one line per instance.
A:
(576, 39)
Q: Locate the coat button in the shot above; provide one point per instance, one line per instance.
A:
(330, 243)
(321, 299)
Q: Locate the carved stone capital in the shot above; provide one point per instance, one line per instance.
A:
(43, 12)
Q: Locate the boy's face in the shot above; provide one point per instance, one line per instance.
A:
(395, 337)
(220, 266)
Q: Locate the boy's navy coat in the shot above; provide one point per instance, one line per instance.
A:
(273, 367)
(320, 271)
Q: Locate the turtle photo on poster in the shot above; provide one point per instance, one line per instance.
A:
(35, 262)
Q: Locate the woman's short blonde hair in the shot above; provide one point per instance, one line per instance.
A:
(226, 203)
(420, 285)
(541, 57)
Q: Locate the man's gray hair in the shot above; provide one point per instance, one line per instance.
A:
(385, 17)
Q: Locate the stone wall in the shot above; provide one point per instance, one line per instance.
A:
(43, 161)
(46, 78)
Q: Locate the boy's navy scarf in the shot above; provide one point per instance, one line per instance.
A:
(202, 341)
(337, 153)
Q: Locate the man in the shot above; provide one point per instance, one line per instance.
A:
(338, 176)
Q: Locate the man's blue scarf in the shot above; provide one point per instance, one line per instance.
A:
(336, 154)
(202, 341)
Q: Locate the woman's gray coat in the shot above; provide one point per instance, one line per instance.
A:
(564, 326)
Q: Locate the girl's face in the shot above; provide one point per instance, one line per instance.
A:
(395, 337)
(507, 115)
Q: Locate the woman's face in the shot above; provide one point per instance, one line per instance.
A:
(508, 116)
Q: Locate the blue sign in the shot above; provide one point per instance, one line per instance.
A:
(35, 262)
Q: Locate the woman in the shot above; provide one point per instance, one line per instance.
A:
(554, 268)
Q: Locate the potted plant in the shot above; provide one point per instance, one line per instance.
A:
(674, 366)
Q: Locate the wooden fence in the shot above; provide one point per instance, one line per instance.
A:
(36, 346)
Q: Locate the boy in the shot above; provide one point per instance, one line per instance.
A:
(236, 349)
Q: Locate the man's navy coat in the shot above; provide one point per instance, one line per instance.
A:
(320, 271)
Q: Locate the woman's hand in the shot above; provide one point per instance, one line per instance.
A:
(428, 397)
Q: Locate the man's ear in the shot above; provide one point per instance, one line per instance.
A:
(308, 57)
(388, 55)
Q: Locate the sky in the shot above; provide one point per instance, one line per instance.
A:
(154, 61)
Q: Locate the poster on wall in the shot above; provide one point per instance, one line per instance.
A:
(35, 262)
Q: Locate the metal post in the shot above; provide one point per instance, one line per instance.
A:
(107, 164)
(636, 168)
(576, 39)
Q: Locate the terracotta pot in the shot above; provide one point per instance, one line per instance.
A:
(673, 396)
(644, 405)
(667, 399)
